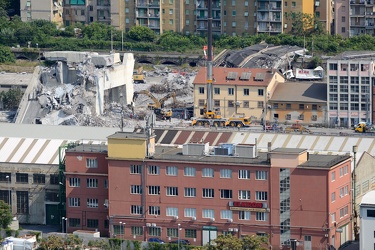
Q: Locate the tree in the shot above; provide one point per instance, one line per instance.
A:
(11, 98)
(6, 55)
(255, 242)
(5, 214)
(141, 33)
(228, 242)
(304, 24)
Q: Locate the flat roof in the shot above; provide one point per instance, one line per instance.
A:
(21, 79)
(312, 92)
(128, 135)
(368, 199)
(288, 150)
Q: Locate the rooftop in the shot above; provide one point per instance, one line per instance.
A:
(127, 135)
(368, 199)
(355, 55)
(302, 92)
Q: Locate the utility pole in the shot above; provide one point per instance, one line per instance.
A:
(209, 59)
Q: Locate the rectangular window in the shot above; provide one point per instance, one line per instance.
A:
(208, 213)
(191, 233)
(301, 106)
(54, 179)
(136, 189)
(22, 202)
(201, 102)
(226, 214)
(172, 232)
(333, 196)
(333, 66)
(244, 215)
(92, 203)
(137, 230)
(106, 183)
(74, 202)
(172, 191)
(343, 211)
(260, 196)
(260, 104)
(333, 176)
(91, 163)
(92, 223)
(288, 106)
(260, 92)
(207, 172)
(189, 171)
(153, 210)
(333, 217)
(39, 179)
(260, 216)
(226, 194)
(170, 11)
(244, 194)
(225, 173)
(92, 183)
(172, 211)
(171, 170)
(135, 169)
(370, 213)
(288, 117)
(260, 175)
(154, 231)
(201, 90)
(230, 103)
(74, 222)
(217, 91)
(190, 192)
(243, 174)
(51, 196)
(246, 104)
(230, 91)
(154, 170)
(246, 92)
(208, 193)
(217, 103)
(154, 190)
(22, 178)
(190, 212)
(136, 209)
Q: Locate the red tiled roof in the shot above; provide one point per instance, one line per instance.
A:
(220, 76)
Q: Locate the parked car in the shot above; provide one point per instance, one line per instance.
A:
(182, 242)
(156, 240)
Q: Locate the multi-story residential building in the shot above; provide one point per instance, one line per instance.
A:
(237, 91)
(367, 212)
(306, 104)
(42, 9)
(296, 6)
(156, 190)
(350, 77)
(269, 16)
(324, 13)
(362, 17)
(341, 19)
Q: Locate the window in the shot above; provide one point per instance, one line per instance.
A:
(260, 216)
(260, 196)
(333, 217)
(301, 106)
(154, 170)
(91, 163)
(226, 194)
(208, 193)
(243, 174)
(74, 202)
(345, 169)
(226, 214)
(22, 202)
(260, 175)
(137, 230)
(207, 172)
(136, 189)
(288, 117)
(105, 183)
(154, 210)
(154, 231)
(92, 183)
(190, 212)
(288, 106)
(190, 192)
(135, 169)
(260, 104)
(74, 222)
(39, 178)
(208, 213)
(230, 103)
(370, 213)
(172, 191)
(136, 209)
(154, 190)
(217, 91)
(217, 103)
(343, 211)
(230, 91)
(333, 66)
(170, 11)
(51, 196)
(172, 211)
(260, 92)
(333, 196)
(201, 90)
(189, 171)
(314, 118)
(333, 176)
(22, 178)
(172, 232)
(92, 203)
(244, 194)
(354, 79)
(225, 173)
(171, 170)
(92, 223)
(293, 4)
(246, 92)
(54, 179)
(191, 233)
(246, 104)
(244, 215)
(301, 117)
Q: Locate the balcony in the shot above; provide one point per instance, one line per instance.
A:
(358, 24)
(202, 17)
(202, 27)
(269, 30)
(268, 19)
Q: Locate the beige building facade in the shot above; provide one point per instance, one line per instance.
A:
(42, 9)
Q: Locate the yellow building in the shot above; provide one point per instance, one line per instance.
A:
(296, 6)
(237, 91)
(305, 102)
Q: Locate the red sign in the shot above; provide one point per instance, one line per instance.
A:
(247, 204)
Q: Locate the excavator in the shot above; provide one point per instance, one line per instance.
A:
(158, 105)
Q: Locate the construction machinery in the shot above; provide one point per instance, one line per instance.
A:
(364, 127)
(238, 122)
(138, 76)
(297, 127)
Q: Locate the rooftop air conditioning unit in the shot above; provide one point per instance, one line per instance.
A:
(193, 218)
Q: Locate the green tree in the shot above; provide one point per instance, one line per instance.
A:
(304, 24)
(141, 33)
(255, 242)
(11, 98)
(228, 242)
(6, 55)
(53, 242)
(5, 214)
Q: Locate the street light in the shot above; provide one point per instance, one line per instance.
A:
(9, 199)
(64, 221)
(178, 235)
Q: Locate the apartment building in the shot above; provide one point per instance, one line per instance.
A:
(342, 19)
(362, 17)
(325, 14)
(237, 91)
(87, 11)
(156, 190)
(350, 77)
(50, 10)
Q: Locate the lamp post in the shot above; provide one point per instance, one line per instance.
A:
(9, 199)
(178, 235)
(64, 223)
(354, 209)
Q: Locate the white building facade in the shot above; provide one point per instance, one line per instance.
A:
(367, 215)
